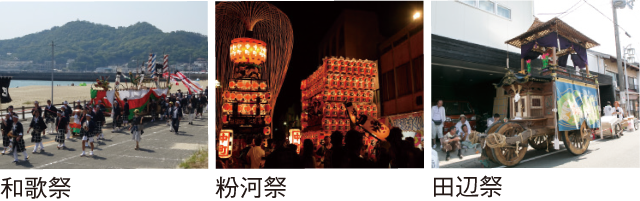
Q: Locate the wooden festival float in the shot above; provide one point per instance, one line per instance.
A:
(557, 103)
(324, 93)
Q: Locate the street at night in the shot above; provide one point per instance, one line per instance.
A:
(297, 89)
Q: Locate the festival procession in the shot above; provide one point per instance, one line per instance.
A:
(131, 115)
(541, 95)
(275, 109)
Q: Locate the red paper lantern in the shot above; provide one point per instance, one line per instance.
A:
(248, 50)
(232, 85)
(267, 119)
(255, 86)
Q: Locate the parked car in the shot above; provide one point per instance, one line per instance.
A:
(454, 109)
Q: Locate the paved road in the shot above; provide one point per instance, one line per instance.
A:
(607, 153)
(159, 148)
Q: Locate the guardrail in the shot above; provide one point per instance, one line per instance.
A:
(25, 110)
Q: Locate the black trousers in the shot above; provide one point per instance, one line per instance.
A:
(176, 124)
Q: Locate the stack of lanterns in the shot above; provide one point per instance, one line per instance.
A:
(336, 81)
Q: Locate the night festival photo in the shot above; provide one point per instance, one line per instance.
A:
(337, 86)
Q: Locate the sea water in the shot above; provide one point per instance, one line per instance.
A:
(24, 83)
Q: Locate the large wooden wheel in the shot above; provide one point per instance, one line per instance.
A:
(487, 150)
(540, 142)
(507, 155)
(577, 142)
(617, 130)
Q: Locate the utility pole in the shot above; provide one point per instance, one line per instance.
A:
(53, 61)
(189, 66)
(622, 77)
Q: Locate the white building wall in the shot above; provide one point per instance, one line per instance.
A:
(457, 20)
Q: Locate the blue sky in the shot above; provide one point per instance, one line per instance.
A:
(21, 18)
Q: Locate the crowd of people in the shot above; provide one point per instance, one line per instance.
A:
(394, 152)
(91, 118)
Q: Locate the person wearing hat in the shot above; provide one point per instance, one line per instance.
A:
(67, 114)
(77, 105)
(61, 127)
(619, 111)
(89, 128)
(83, 118)
(463, 121)
(451, 142)
(18, 140)
(117, 117)
(125, 112)
(176, 115)
(608, 110)
(39, 126)
(50, 113)
(136, 130)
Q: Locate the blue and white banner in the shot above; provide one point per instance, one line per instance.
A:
(577, 102)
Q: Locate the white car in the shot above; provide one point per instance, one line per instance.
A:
(435, 163)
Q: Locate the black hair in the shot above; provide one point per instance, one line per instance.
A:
(452, 127)
(496, 115)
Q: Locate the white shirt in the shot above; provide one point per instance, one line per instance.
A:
(256, 153)
(438, 113)
(435, 163)
(608, 110)
(175, 112)
(459, 128)
(621, 115)
(14, 128)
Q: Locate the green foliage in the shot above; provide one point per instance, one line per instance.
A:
(94, 45)
(199, 160)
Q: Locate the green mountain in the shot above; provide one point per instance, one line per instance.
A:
(94, 45)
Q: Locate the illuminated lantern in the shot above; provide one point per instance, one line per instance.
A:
(327, 109)
(267, 119)
(334, 110)
(352, 96)
(240, 84)
(342, 82)
(334, 124)
(348, 67)
(295, 138)
(366, 84)
(248, 50)
(232, 85)
(367, 70)
(326, 123)
(339, 95)
(225, 119)
(262, 111)
(267, 96)
(374, 70)
(266, 130)
(334, 81)
(267, 108)
(225, 145)
(254, 96)
(246, 97)
(255, 86)
(343, 68)
(263, 85)
(227, 107)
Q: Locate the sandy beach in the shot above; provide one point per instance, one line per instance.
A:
(25, 96)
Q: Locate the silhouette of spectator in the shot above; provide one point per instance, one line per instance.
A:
(399, 158)
(354, 149)
(307, 157)
(334, 157)
(282, 157)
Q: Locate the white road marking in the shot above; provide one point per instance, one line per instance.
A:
(77, 155)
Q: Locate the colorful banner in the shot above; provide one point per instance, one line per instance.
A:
(577, 102)
(407, 122)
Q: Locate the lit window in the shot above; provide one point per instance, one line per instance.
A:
(504, 12)
(487, 5)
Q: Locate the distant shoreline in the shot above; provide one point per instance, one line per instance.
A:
(76, 76)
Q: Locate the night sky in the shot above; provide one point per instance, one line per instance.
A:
(311, 21)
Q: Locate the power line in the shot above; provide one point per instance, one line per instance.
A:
(606, 17)
(565, 14)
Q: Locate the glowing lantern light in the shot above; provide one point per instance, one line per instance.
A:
(226, 143)
(248, 50)
(266, 130)
(267, 119)
(294, 138)
(232, 85)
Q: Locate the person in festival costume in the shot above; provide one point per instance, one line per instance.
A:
(77, 105)
(18, 140)
(39, 126)
(100, 120)
(84, 117)
(176, 116)
(36, 107)
(88, 127)
(152, 110)
(61, 127)
(7, 124)
(117, 117)
(191, 110)
(202, 101)
(68, 112)
(168, 116)
(50, 113)
(125, 112)
(136, 128)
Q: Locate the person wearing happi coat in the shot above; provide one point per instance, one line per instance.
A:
(39, 126)
(176, 116)
(61, 127)
(68, 113)
(50, 113)
(100, 120)
(7, 124)
(89, 129)
(136, 128)
(125, 112)
(18, 140)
